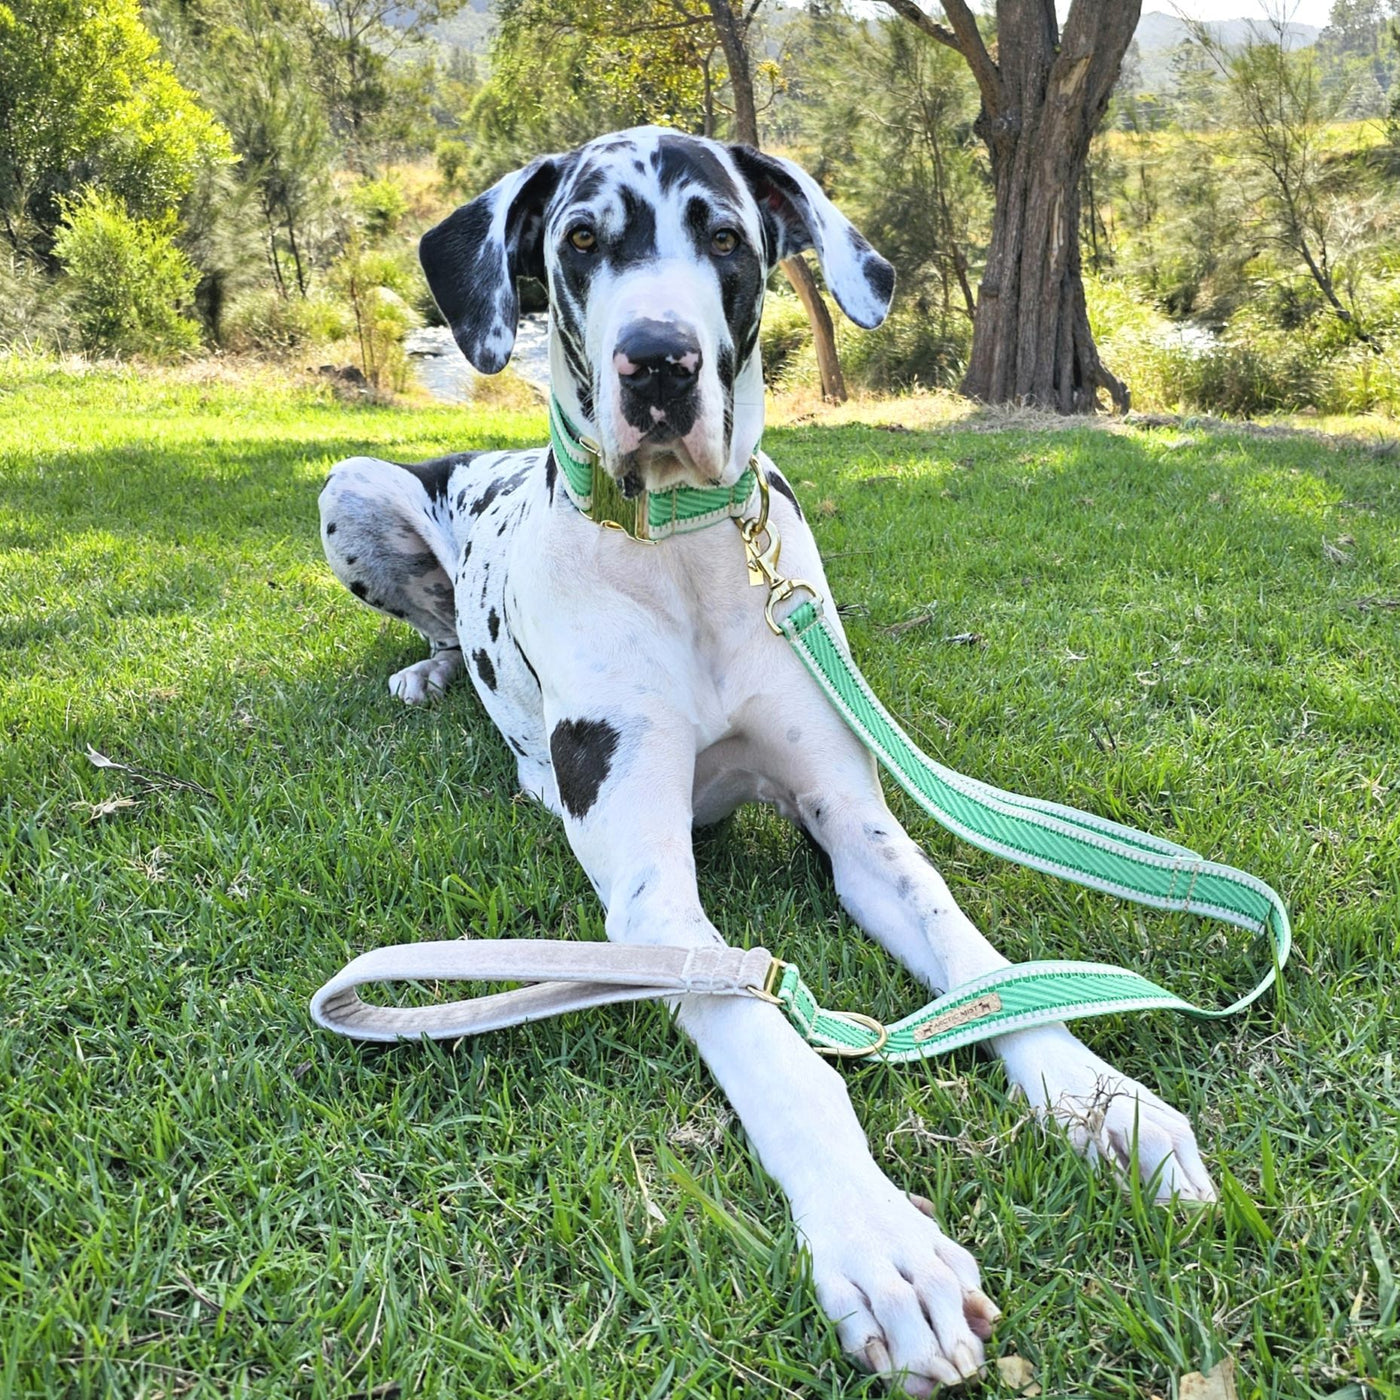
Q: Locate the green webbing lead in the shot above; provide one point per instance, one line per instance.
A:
(1045, 836)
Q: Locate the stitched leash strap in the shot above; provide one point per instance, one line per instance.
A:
(1045, 836)
(1058, 840)
(563, 976)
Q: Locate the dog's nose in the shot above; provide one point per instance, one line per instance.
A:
(657, 361)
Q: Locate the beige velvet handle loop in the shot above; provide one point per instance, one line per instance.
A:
(560, 976)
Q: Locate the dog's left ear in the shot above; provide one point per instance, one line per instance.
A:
(472, 258)
(797, 216)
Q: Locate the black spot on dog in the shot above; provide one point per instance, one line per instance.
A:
(875, 834)
(582, 750)
(551, 470)
(776, 481)
(680, 158)
(435, 472)
(351, 558)
(880, 275)
(466, 551)
(517, 746)
(493, 624)
(638, 240)
(330, 529)
(358, 589)
(485, 669)
(902, 886)
(486, 497)
(534, 675)
(461, 500)
(639, 891)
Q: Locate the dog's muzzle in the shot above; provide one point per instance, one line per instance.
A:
(658, 367)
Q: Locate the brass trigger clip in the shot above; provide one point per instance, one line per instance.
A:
(762, 547)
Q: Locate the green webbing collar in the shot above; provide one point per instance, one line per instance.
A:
(651, 516)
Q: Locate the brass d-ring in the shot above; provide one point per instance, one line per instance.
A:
(843, 1052)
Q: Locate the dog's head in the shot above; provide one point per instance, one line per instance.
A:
(655, 247)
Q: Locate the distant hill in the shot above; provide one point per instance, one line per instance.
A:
(470, 28)
(1159, 34)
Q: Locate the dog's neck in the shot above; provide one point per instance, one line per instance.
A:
(745, 432)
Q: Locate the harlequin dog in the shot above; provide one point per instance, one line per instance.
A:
(643, 692)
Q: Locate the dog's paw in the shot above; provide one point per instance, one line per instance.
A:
(1104, 1113)
(907, 1302)
(426, 680)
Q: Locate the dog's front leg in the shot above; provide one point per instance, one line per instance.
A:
(890, 888)
(906, 1300)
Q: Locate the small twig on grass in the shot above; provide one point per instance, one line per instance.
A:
(920, 619)
(151, 777)
(373, 1335)
(914, 1126)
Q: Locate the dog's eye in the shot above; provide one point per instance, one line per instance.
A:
(724, 241)
(583, 238)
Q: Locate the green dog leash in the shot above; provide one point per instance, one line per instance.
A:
(1058, 840)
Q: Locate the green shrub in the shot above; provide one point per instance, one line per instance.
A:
(373, 284)
(127, 282)
(263, 320)
(914, 347)
(34, 314)
(381, 205)
(785, 332)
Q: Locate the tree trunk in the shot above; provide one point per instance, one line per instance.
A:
(1042, 98)
(823, 332)
(733, 40)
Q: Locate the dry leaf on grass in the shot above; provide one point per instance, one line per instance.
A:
(95, 811)
(1216, 1384)
(1019, 1374)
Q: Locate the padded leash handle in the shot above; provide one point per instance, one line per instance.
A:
(561, 976)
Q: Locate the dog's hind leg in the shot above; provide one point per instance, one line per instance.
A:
(386, 541)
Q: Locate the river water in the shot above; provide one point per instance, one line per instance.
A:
(442, 369)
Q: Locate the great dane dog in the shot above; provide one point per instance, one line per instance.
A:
(643, 693)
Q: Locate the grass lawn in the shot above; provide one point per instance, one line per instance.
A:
(199, 1195)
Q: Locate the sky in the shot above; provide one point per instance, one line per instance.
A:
(1313, 12)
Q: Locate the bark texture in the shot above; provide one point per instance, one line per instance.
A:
(1043, 95)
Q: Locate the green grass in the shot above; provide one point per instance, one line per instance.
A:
(200, 1195)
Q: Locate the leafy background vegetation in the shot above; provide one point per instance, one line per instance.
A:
(1241, 224)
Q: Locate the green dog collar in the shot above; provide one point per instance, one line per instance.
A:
(650, 516)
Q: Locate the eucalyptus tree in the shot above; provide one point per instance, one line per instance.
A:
(1044, 89)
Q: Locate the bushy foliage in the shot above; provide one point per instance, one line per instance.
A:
(885, 118)
(128, 284)
(263, 321)
(563, 71)
(783, 336)
(100, 108)
(375, 285)
(34, 313)
(1250, 367)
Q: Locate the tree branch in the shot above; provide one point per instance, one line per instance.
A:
(963, 38)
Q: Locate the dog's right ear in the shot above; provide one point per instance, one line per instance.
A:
(472, 258)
